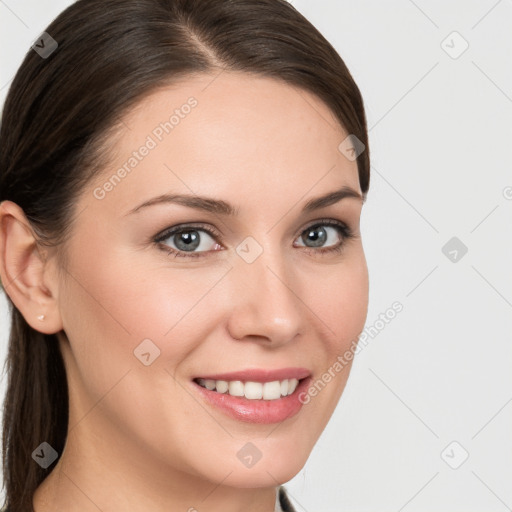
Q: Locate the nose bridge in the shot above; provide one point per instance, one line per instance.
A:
(266, 304)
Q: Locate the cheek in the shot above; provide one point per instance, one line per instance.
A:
(341, 303)
(108, 310)
(113, 302)
(340, 300)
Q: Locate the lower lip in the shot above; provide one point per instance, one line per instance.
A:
(256, 411)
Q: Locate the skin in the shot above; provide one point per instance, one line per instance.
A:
(140, 438)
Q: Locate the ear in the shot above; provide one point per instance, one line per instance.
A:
(28, 277)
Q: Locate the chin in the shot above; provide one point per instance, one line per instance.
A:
(262, 474)
(262, 463)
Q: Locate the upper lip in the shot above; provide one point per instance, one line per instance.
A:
(260, 375)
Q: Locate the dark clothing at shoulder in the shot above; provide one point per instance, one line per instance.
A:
(285, 502)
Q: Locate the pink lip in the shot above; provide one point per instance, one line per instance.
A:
(255, 411)
(260, 375)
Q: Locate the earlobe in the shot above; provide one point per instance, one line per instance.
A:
(24, 271)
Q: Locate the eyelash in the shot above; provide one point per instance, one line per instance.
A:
(343, 229)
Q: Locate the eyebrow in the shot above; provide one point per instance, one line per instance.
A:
(218, 206)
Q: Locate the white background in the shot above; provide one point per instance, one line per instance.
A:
(440, 145)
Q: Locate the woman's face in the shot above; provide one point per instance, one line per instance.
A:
(261, 292)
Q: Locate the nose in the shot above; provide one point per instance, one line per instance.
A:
(267, 304)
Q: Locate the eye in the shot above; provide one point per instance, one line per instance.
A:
(186, 240)
(317, 234)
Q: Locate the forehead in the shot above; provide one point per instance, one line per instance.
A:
(233, 131)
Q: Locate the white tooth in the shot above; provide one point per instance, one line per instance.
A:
(253, 390)
(209, 384)
(221, 385)
(292, 385)
(236, 388)
(272, 390)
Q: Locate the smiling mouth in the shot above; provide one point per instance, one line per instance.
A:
(273, 390)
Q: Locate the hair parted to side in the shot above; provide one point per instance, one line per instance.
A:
(61, 115)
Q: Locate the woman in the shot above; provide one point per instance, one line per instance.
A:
(181, 183)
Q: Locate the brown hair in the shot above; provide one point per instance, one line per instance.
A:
(62, 110)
